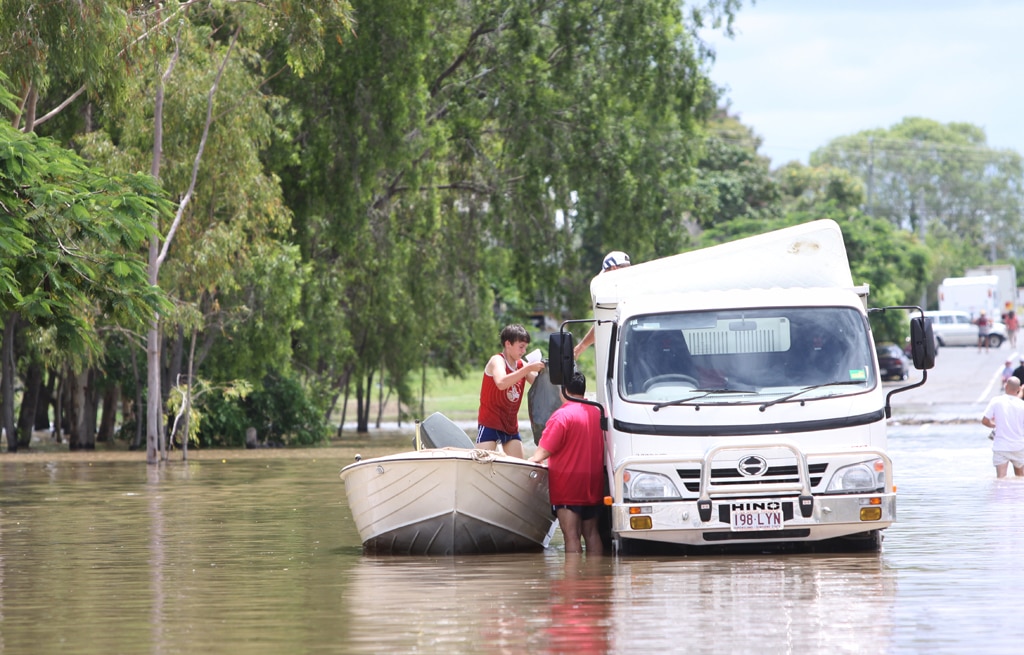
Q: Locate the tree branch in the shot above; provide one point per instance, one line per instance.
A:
(435, 87)
(74, 96)
(199, 154)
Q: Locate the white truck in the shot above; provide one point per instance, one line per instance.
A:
(973, 295)
(1007, 286)
(740, 397)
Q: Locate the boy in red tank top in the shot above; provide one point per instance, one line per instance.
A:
(501, 393)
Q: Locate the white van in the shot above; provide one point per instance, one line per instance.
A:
(954, 328)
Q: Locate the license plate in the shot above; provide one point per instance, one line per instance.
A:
(752, 520)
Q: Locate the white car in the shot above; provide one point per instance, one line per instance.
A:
(958, 329)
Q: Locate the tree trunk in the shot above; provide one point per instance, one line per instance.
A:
(60, 422)
(344, 404)
(363, 404)
(29, 401)
(380, 398)
(154, 409)
(108, 417)
(140, 424)
(7, 381)
(80, 434)
(45, 401)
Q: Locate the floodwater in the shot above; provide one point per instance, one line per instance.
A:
(255, 552)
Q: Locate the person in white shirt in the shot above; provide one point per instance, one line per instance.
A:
(1005, 414)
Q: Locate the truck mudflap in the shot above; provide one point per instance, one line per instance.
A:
(761, 510)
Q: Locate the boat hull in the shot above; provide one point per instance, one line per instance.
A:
(449, 501)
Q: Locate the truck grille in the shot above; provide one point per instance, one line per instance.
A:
(774, 474)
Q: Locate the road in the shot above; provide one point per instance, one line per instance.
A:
(957, 389)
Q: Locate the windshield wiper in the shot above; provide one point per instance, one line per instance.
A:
(813, 386)
(703, 393)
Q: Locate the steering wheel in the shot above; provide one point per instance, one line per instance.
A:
(670, 377)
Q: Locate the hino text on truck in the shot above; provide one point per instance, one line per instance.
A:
(740, 396)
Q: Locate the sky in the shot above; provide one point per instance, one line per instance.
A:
(803, 72)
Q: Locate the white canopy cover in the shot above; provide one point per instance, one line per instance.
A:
(811, 255)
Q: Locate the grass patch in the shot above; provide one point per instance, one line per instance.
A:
(456, 398)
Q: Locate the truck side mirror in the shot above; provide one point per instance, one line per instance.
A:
(922, 343)
(561, 362)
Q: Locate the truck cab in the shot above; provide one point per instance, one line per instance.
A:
(742, 398)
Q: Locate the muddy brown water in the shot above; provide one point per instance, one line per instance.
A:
(255, 552)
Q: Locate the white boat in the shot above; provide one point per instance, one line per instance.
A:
(443, 499)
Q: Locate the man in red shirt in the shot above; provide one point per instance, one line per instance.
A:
(501, 393)
(573, 441)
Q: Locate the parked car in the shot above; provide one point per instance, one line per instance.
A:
(893, 363)
(954, 328)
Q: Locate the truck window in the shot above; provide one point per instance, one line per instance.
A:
(768, 352)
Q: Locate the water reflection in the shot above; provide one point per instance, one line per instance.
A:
(755, 604)
(484, 604)
(562, 604)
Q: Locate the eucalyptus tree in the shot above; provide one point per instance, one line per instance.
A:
(56, 52)
(70, 255)
(121, 64)
(459, 162)
(238, 210)
(942, 181)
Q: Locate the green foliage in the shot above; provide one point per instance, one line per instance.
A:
(465, 162)
(71, 241)
(235, 391)
(938, 179)
(734, 182)
(282, 412)
(224, 421)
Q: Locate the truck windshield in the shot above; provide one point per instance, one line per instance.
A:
(770, 353)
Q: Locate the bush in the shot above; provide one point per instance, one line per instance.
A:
(282, 413)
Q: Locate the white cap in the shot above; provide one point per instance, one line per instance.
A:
(615, 258)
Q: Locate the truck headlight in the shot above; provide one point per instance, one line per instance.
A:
(863, 477)
(640, 485)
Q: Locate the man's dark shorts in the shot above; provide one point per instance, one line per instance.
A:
(586, 512)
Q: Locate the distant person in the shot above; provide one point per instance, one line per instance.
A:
(501, 393)
(613, 261)
(574, 442)
(1008, 370)
(1012, 325)
(983, 324)
(1005, 414)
